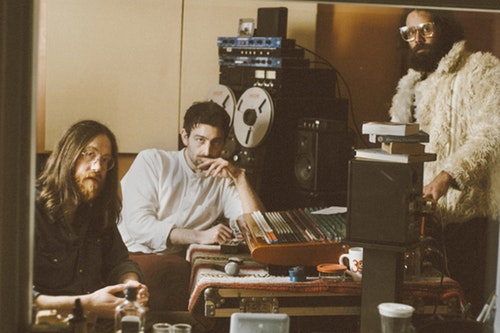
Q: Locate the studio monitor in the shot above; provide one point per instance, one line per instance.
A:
(272, 22)
(322, 155)
(381, 197)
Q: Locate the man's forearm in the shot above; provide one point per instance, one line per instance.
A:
(63, 304)
(249, 198)
(179, 236)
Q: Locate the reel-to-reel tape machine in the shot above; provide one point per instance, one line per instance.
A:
(266, 85)
(263, 132)
(251, 121)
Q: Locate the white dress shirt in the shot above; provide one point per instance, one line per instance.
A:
(160, 192)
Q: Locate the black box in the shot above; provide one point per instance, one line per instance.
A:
(272, 22)
(322, 155)
(381, 199)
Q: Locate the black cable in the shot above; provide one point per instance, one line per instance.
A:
(348, 90)
(435, 231)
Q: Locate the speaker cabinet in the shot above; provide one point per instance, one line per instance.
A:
(381, 201)
(272, 22)
(270, 165)
(322, 155)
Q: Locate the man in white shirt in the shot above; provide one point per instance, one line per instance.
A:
(174, 198)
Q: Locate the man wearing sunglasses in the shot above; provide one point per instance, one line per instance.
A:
(455, 97)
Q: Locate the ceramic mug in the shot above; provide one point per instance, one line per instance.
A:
(355, 258)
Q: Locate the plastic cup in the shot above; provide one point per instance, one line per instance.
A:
(395, 317)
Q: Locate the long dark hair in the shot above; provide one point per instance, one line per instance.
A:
(59, 192)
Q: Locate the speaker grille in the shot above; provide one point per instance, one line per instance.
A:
(304, 171)
(305, 163)
(322, 155)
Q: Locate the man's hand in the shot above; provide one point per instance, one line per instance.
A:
(103, 301)
(219, 167)
(217, 234)
(142, 290)
(438, 186)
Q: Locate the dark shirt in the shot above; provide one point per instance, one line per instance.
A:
(79, 260)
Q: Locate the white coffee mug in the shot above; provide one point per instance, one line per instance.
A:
(355, 257)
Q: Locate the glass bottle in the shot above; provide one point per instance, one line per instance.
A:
(130, 315)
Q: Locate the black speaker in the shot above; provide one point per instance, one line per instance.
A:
(272, 22)
(322, 155)
(270, 165)
(381, 201)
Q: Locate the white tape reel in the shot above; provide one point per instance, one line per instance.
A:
(225, 97)
(253, 117)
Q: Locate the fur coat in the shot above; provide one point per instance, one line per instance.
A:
(458, 105)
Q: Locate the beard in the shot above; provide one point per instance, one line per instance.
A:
(428, 60)
(90, 186)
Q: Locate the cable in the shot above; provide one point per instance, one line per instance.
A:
(348, 90)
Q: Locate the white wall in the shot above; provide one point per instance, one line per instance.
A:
(204, 21)
(116, 61)
(137, 65)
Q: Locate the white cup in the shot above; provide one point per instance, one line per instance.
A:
(162, 328)
(396, 318)
(355, 258)
(181, 328)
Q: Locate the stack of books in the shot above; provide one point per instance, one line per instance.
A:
(400, 143)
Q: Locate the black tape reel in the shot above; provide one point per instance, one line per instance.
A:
(253, 117)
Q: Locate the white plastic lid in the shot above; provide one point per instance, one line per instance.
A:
(395, 310)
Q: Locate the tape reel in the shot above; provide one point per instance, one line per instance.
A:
(253, 117)
(224, 96)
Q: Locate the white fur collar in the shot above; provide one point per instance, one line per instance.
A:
(402, 106)
(453, 58)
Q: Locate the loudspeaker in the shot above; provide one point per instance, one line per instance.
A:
(381, 203)
(270, 165)
(272, 22)
(322, 155)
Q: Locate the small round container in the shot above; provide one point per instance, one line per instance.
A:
(297, 274)
(331, 272)
(395, 310)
